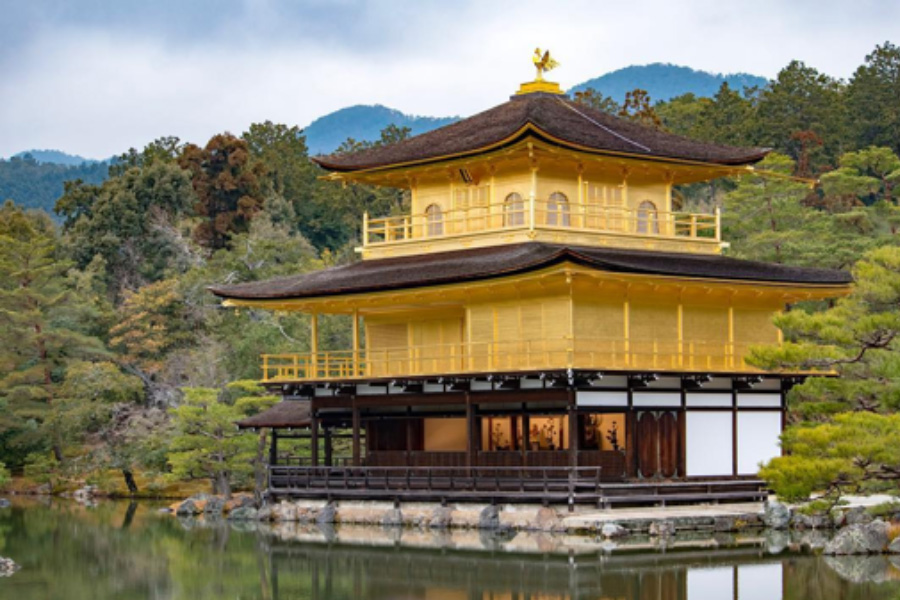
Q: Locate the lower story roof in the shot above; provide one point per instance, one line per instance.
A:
(285, 414)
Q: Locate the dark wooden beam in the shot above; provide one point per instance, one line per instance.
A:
(356, 445)
(314, 438)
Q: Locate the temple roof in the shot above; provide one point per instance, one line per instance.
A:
(287, 413)
(499, 261)
(554, 118)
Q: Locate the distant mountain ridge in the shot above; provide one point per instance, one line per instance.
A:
(666, 81)
(363, 123)
(56, 157)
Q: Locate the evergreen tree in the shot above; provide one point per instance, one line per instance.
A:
(41, 330)
(872, 99)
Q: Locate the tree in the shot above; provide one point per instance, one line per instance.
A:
(873, 109)
(42, 329)
(855, 453)
(639, 108)
(856, 338)
(869, 174)
(228, 183)
(798, 108)
(208, 444)
(596, 100)
(131, 221)
(160, 150)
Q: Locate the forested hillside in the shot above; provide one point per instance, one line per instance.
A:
(36, 184)
(117, 366)
(664, 82)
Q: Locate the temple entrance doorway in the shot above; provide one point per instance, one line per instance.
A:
(657, 434)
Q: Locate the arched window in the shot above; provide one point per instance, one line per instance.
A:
(558, 209)
(434, 220)
(513, 210)
(647, 218)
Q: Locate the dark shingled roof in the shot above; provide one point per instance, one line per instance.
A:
(556, 116)
(287, 413)
(497, 261)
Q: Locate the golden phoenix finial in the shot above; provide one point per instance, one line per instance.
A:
(543, 63)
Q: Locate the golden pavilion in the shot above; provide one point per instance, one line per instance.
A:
(545, 323)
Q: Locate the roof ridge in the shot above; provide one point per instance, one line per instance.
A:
(603, 127)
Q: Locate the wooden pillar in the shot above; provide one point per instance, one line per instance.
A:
(470, 432)
(630, 435)
(356, 444)
(314, 343)
(409, 436)
(356, 368)
(314, 438)
(328, 450)
(573, 429)
(526, 434)
(273, 449)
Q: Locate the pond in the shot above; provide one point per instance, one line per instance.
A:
(125, 551)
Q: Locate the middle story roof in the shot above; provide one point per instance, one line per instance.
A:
(499, 261)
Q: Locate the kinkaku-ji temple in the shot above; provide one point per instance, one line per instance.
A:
(546, 324)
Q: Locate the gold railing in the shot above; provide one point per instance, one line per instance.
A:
(524, 355)
(541, 214)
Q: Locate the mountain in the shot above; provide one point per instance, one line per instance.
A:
(34, 184)
(57, 157)
(664, 82)
(363, 123)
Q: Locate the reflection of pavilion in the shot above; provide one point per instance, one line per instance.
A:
(320, 571)
(546, 320)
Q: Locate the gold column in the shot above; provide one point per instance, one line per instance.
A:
(314, 344)
(356, 369)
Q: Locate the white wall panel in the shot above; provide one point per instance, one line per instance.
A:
(650, 399)
(601, 398)
(709, 443)
(758, 433)
(759, 400)
(707, 400)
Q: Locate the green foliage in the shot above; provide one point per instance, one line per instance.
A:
(857, 452)
(43, 468)
(132, 222)
(43, 329)
(207, 443)
(33, 184)
(5, 475)
(873, 110)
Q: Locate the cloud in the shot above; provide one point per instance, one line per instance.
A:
(95, 78)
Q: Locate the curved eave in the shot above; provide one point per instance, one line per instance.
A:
(530, 129)
(811, 291)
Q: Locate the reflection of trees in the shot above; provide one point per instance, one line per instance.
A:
(840, 578)
(127, 551)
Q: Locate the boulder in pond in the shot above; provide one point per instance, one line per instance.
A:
(327, 514)
(489, 518)
(243, 513)
(663, 528)
(8, 566)
(777, 515)
(4, 503)
(871, 538)
(214, 505)
(441, 518)
(189, 508)
(613, 530)
(812, 521)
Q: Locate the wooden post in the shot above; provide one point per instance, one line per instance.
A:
(314, 344)
(328, 449)
(526, 434)
(356, 370)
(314, 438)
(356, 445)
(273, 449)
(573, 429)
(470, 432)
(409, 436)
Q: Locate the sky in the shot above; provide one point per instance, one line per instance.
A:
(94, 77)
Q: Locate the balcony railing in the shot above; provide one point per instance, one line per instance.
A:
(525, 355)
(545, 215)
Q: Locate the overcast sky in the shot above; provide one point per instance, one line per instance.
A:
(95, 77)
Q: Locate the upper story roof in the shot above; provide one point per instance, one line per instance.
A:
(554, 118)
(501, 261)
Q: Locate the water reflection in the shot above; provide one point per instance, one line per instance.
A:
(127, 551)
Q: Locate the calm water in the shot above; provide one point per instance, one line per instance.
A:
(123, 552)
